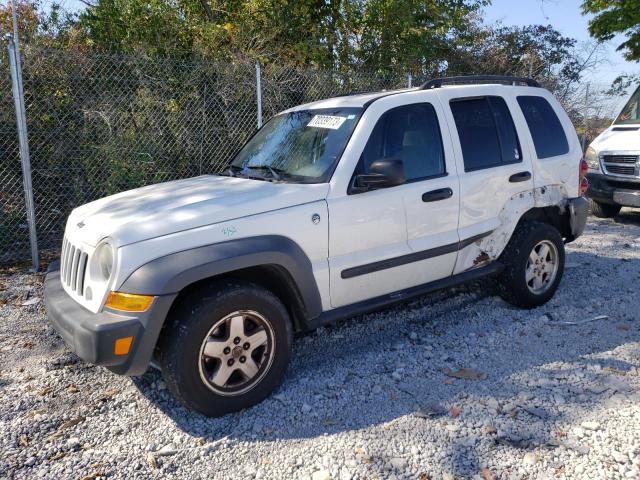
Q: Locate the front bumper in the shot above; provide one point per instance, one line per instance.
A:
(612, 190)
(92, 335)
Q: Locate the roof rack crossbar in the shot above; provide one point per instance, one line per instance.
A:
(478, 79)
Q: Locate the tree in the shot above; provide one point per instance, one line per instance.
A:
(380, 35)
(614, 17)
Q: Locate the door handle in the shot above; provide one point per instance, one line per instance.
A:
(435, 195)
(520, 177)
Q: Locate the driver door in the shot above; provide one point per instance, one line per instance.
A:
(389, 239)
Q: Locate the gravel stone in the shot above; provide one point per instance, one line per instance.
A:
(593, 426)
(547, 376)
(321, 475)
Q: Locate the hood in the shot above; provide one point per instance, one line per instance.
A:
(170, 207)
(617, 138)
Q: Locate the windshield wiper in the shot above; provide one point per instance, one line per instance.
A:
(232, 170)
(276, 173)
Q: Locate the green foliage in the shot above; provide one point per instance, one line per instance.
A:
(380, 35)
(613, 17)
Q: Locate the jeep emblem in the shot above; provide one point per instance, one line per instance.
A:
(315, 218)
(81, 224)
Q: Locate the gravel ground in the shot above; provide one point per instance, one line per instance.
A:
(454, 385)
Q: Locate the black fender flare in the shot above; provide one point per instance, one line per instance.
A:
(170, 274)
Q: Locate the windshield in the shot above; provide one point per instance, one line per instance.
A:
(631, 111)
(302, 146)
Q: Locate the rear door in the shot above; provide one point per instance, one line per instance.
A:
(494, 168)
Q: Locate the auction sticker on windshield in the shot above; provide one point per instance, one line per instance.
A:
(326, 121)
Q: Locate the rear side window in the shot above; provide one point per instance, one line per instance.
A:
(545, 127)
(487, 134)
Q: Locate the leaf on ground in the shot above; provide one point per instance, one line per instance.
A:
(424, 476)
(58, 456)
(455, 412)
(490, 430)
(104, 396)
(465, 374)
(487, 474)
(24, 441)
(431, 410)
(448, 381)
(65, 425)
(93, 476)
(151, 460)
(71, 388)
(266, 461)
(46, 391)
(362, 455)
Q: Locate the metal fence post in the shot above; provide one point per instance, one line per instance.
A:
(586, 118)
(409, 80)
(259, 93)
(21, 122)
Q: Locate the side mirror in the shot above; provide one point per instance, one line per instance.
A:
(382, 173)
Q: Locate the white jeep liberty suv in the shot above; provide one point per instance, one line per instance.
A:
(333, 208)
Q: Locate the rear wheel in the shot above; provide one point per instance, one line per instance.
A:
(534, 264)
(227, 347)
(604, 210)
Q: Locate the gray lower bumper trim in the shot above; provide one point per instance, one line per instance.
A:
(578, 211)
(92, 335)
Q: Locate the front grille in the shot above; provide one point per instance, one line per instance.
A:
(632, 159)
(621, 170)
(622, 163)
(73, 266)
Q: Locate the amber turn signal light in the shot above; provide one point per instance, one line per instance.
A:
(122, 345)
(129, 302)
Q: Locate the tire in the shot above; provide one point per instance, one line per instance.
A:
(193, 351)
(515, 284)
(604, 210)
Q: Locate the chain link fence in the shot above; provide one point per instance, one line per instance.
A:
(14, 234)
(102, 123)
(99, 124)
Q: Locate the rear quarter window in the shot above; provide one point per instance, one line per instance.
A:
(546, 130)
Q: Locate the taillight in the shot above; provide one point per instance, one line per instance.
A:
(582, 179)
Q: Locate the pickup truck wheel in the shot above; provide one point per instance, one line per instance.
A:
(604, 210)
(227, 347)
(534, 264)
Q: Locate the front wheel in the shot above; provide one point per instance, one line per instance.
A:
(226, 347)
(534, 264)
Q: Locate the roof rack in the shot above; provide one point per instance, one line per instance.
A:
(478, 79)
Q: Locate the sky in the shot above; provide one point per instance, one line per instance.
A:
(566, 17)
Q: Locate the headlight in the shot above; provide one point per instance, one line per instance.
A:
(592, 159)
(105, 260)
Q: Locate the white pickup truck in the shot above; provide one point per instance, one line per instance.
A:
(614, 163)
(331, 209)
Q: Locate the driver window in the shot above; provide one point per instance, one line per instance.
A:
(409, 133)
